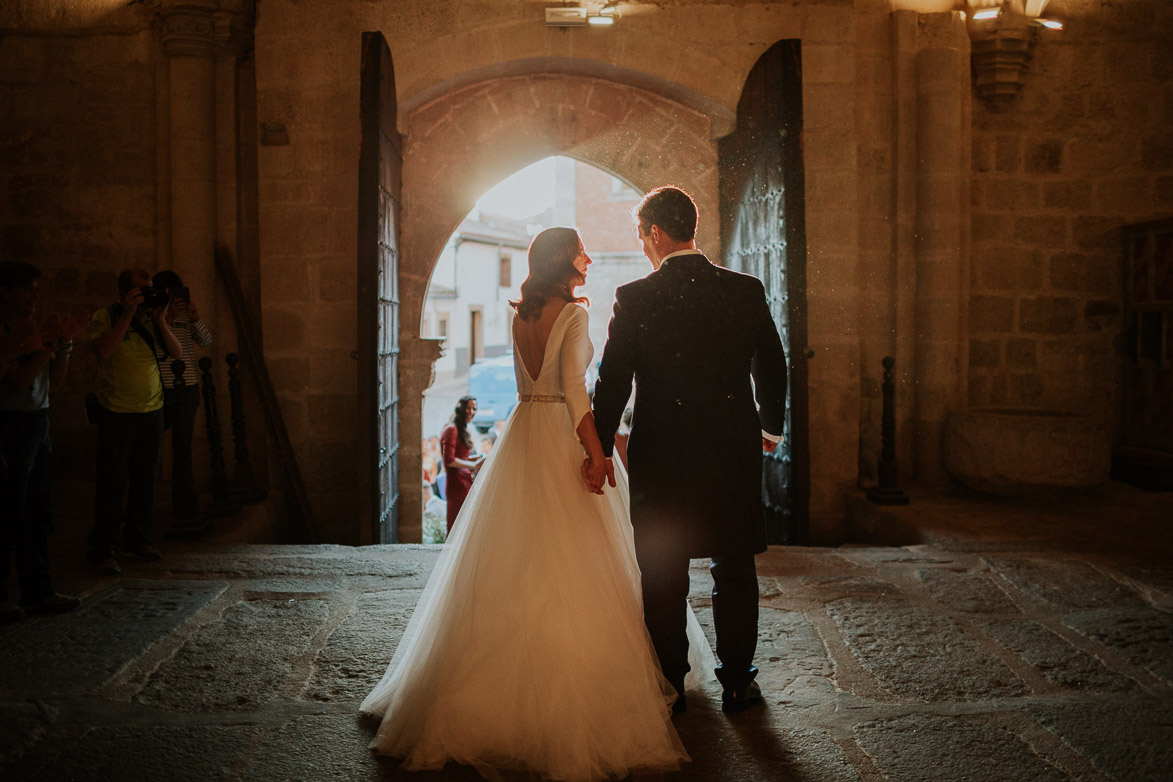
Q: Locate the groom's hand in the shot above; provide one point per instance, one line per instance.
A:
(610, 475)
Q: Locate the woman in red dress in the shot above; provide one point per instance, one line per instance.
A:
(456, 445)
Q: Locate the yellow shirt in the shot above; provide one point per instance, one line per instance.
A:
(128, 381)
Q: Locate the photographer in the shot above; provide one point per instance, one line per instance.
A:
(188, 328)
(38, 356)
(130, 419)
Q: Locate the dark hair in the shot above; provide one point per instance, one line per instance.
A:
(551, 271)
(670, 208)
(17, 274)
(460, 418)
(125, 276)
(166, 279)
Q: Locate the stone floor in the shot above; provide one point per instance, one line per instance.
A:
(1011, 641)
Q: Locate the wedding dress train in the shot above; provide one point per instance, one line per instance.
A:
(527, 649)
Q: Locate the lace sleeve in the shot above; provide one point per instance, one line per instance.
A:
(576, 357)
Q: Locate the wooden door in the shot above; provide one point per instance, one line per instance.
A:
(761, 185)
(380, 186)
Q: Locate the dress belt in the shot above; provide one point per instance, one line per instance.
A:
(541, 398)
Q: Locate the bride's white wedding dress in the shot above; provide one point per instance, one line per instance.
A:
(527, 649)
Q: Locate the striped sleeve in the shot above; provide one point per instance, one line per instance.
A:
(200, 332)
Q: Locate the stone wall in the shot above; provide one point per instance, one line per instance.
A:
(1085, 149)
(78, 177)
(979, 248)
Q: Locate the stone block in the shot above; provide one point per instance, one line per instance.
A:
(1048, 315)
(1020, 353)
(1026, 389)
(828, 64)
(1045, 156)
(920, 655)
(985, 352)
(320, 747)
(330, 415)
(285, 330)
(1100, 314)
(980, 391)
(179, 753)
(1008, 154)
(1130, 196)
(1091, 155)
(1083, 272)
(1164, 190)
(828, 23)
(109, 631)
(358, 651)
(991, 314)
(1097, 231)
(1123, 740)
(1025, 452)
(970, 593)
(982, 157)
(1054, 657)
(1156, 153)
(991, 226)
(930, 748)
(240, 662)
(1141, 635)
(1012, 195)
(1073, 195)
(1008, 268)
(1041, 231)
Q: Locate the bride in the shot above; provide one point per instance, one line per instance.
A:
(528, 650)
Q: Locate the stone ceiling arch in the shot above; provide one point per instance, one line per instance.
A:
(459, 145)
(722, 118)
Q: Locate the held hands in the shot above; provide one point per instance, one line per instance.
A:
(768, 445)
(594, 473)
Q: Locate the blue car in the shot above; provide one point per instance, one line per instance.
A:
(494, 384)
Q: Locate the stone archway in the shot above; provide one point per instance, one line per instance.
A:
(459, 145)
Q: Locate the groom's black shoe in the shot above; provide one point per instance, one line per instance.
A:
(741, 698)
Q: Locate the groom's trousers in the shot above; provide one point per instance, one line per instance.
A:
(664, 571)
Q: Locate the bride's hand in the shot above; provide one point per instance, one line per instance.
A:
(594, 473)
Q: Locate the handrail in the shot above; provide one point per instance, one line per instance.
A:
(250, 346)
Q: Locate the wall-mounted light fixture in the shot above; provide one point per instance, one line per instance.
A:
(604, 16)
(1003, 35)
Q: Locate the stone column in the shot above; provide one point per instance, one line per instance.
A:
(188, 33)
(417, 370)
(940, 139)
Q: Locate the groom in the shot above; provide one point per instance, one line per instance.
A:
(692, 335)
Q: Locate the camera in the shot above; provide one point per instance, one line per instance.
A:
(153, 297)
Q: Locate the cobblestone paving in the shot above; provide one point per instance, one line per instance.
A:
(992, 660)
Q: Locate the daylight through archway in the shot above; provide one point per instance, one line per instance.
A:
(480, 270)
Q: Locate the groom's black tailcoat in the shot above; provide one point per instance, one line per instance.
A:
(691, 335)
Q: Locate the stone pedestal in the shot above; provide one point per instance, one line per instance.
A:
(1023, 452)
